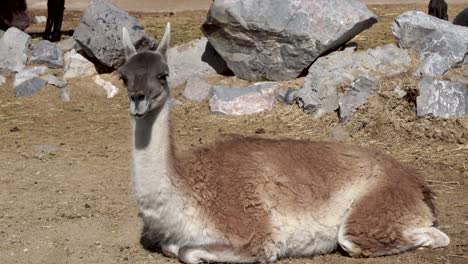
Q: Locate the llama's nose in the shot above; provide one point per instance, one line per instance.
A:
(137, 97)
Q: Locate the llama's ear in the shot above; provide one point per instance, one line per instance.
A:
(164, 44)
(127, 44)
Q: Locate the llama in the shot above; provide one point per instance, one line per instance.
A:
(462, 18)
(258, 200)
(438, 8)
(13, 14)
(53, 28)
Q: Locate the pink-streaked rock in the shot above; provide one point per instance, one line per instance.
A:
(243, 101)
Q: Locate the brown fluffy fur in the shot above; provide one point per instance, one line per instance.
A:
(224, 179)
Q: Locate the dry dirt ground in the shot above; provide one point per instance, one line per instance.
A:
(65, 193)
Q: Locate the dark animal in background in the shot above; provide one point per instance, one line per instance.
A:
(438, 8)
(462, 18)
(13, 14)
(55, 10)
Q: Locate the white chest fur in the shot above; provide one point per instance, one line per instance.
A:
(161, 204)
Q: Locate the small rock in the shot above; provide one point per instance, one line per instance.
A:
(29, 73)
(54, 80)
(338, 132)
(196, 89)
(45, 148)
(13, 50)
(110, 89)
(441, 98)
(40, 19)
(399, 92)
(287, 96)
(29, 87)
(174, 102)
(354, 96)
(77, 66)
(64, 94)
(260, 131)
(2, 80)
(319, 95)
(243, 101)
(15, 129)
(46, 52)
(68, 44)
(196, 57)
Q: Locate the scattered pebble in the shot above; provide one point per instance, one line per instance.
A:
(15, 129)
(260, 131)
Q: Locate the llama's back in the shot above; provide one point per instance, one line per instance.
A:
(296, 193)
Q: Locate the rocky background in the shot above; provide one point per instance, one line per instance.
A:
(399, 86)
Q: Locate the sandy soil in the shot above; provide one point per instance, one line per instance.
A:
(65, 193)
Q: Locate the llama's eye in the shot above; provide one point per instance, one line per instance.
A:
(162, 78)
(124, 80)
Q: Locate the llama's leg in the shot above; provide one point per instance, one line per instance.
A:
(429, 237)
(170, 250)
(389, 222)
(213, 253)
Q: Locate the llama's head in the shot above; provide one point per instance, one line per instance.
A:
(144, 74)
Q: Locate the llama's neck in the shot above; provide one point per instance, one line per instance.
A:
(164, 207)
(152, 153)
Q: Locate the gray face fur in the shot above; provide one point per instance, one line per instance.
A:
(144, 74)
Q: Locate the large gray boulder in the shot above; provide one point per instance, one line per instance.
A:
(442, 98)
(278, 39)
(196, 57)
(439, 44)
(46, 52)
(243, 101)
(14, 45)
(319, 95)
(100, 30)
